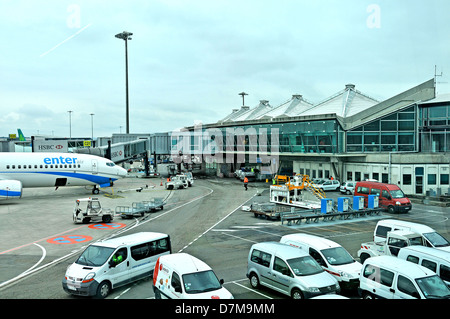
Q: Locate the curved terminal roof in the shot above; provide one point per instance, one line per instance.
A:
(349, 105)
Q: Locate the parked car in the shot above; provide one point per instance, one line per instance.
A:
(289, 271)
(330, 255)
(348, 188)
(388, 277)
(329, 185)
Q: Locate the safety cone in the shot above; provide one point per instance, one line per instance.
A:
(161, 183)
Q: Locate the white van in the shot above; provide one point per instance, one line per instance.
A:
(183, 276)
(435, 259)
(393, 278)
(330, 255)
(115, 262)
(431, 237)
(289, 271)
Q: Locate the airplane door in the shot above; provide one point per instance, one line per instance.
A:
(94, 166)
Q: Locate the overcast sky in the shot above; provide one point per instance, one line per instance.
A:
(189, 59)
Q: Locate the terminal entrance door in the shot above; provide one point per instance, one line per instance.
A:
(419, 180)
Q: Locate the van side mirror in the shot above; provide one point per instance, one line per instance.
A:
(177, 289)
(112, 263)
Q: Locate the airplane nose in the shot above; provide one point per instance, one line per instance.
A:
(123, 172)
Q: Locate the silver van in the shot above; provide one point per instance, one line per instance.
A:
(435, 259)
(389, 277)
(289, 271)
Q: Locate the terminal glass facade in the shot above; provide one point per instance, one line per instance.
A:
(434, 127)
(323, 136)
(391, 133)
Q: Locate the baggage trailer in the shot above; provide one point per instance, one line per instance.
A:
(154, 204)
(129, 211)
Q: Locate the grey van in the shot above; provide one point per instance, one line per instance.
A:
(289, 271)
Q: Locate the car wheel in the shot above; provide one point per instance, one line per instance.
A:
(363, 258)
(367, 295)
(254, 281)
(348, 192)
(103, 290)
(296, 294)
(391, 210)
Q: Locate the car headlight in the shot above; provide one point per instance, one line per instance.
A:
(313, 289)
(343, 274)
(89, 277)
(397, 203)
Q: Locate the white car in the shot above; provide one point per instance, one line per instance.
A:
(329, 185)
(348, 188)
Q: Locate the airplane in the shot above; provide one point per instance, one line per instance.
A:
(21, 170)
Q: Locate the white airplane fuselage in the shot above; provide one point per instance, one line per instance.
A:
(58, 169)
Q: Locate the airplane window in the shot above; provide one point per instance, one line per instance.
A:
(7, 166)
(18, 166)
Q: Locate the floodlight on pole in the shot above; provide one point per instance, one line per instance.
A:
(126, 36)
(243, 94)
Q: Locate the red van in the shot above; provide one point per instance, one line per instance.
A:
(390, 196)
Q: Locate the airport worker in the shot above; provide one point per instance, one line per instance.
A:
(117, 259)
(245, 182)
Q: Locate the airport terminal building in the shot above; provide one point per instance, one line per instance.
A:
(404, 140)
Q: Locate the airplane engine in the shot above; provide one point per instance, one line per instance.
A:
(10, 189)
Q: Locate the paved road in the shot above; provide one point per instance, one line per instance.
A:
(204, 220)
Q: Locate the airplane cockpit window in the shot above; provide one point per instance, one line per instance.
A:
(111, 164)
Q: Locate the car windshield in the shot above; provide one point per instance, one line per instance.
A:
(95, 256)
(304, 266)
(433, 287)
(397, 193)
(337, 256)
(199, 282)
(436, 239)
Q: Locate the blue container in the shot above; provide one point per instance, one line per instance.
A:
(358, 202)
(342, 205)
(326, 205)
(372, 201)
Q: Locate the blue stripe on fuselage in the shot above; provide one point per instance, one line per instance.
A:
(96, 179)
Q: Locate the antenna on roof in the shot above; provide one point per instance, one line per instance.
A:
(436, 75)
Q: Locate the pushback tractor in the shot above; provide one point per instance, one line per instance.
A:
(90, 210)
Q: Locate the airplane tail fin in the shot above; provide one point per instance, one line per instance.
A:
(21, 136)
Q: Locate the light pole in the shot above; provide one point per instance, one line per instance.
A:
(243, 94)
(126, 36)
(70, 124)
